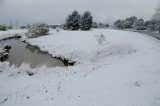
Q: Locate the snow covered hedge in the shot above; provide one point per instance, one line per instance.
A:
(38, 29)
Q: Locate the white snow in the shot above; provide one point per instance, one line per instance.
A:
(123, 70)
(11, 33)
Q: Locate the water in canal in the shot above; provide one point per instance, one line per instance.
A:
(25, 53)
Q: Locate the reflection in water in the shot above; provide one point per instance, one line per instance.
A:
(35, 49)
(25, 53)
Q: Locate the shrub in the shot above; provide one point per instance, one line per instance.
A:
(94, 25)
(101, 25)
(125, 24)
(153, 25)
(107, 25)
(38, 29)
(3, 28)
(139, 24)
(100, 38)
(118, 24)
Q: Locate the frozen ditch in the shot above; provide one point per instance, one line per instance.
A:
(24, 53)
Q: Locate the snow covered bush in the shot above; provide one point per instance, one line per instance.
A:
(86, 21)
(3, 28)
(153, 25)
(57, 29)
(94, 25)
(150, 25)
(125, 24)
(100, 38)
(4, 50)
(118, 24)
(38, 29)
(101, 25)
(139, 24)
(73, 21)
(107, 25)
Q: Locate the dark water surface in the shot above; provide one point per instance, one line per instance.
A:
(25, 53)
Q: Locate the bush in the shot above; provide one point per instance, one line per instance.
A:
(153, 25)
(38, 29)
(100, 38)
(125, 24)
(94, 25)
(139, 24)
(107, 25)
(101, 25)
(3, 28)
(118, 24)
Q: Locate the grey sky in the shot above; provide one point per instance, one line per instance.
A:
(55, 11)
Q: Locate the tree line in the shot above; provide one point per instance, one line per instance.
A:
(138, 24)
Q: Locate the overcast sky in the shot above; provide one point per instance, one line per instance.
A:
(55, 11)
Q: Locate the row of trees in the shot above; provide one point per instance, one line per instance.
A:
(131, 22)
(75, 21)
(99, 25)
(139, 24)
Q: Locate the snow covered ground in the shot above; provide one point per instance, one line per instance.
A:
(11, 33)
(118, 69)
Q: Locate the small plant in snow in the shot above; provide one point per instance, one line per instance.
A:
(57, 29)
(100, 38)
(38, 29)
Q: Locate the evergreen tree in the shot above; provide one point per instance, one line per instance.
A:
(86, 21)
(73, 21)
